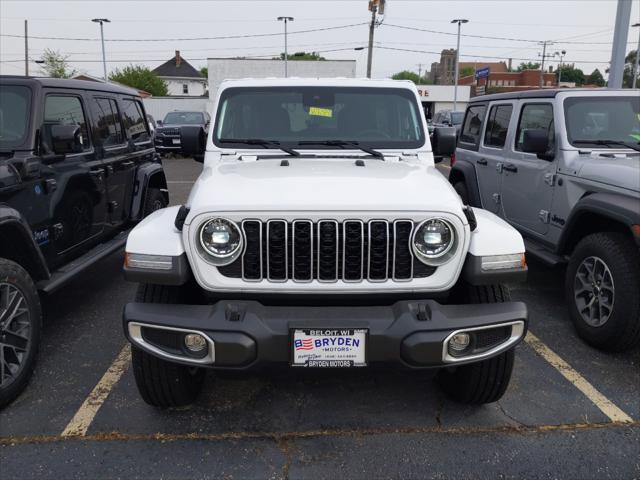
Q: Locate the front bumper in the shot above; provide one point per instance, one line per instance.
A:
(246, 334)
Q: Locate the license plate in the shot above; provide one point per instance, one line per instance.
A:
(176, 141)
(329, 348)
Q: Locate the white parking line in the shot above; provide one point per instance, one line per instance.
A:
(81, 421)
(603, 403)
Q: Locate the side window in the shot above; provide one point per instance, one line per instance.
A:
(134, 121)
(109, 126)
(472, 125)
(185, 88)
(497, 126)
(63, 110)
(539, 116)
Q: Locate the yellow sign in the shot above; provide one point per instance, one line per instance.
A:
(321, 112)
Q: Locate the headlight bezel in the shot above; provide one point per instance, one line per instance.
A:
(443, 257)
(217, 259)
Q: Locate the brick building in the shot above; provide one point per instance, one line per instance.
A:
(508, 81)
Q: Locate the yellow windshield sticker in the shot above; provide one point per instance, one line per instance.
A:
(321, 112)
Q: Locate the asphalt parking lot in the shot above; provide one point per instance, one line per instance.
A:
(570, 412)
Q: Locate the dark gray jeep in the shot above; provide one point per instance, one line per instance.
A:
(563, 167)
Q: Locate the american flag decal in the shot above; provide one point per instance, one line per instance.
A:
(304, 344)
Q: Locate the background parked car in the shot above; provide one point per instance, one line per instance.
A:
(77, 170)
(167, 139)
(448, 118)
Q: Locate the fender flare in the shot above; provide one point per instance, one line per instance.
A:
(466, 171)
(620, 208)
(12, 221)
(150, 175)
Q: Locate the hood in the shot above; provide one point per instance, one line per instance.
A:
(335, 184)
(619, 170)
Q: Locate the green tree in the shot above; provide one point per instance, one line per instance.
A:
(571, 74)
(595, 78)
(302, 56)
(413, 76)
(467, 71)
(528, 66)
(140, 77)
(55, 65)
(204, 71)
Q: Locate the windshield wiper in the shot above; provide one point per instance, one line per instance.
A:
(345, 143)
(264, 143)
(608, 143)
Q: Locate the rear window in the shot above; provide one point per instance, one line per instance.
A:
(184, 118)
(497, 126)
(134, 122)
(15, 106)
(472, 127)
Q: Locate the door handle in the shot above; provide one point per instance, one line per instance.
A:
(98, 174)
(510, 167)
(481, 161)
(127, 164)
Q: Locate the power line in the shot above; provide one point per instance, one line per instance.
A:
(225, 37)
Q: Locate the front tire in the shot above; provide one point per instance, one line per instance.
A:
(161, 383)
(20, 329)
(153, 200)
(487, 380)
(601, 286)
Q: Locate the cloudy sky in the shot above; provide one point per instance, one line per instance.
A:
(413, 31)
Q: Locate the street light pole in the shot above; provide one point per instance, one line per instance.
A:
(561, 54)
(619, 46)
(459, 21)
(636, 66)
(104, 58)
(286, 54)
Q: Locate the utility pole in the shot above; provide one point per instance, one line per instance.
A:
(104, 58)
(459, 21)
(372, 26)
(286, 53)
(637, 63)
(618, 50)
(544, 56)
(26, 49)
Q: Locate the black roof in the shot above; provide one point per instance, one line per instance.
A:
(171, 69)
(69, 83)
(539, 93)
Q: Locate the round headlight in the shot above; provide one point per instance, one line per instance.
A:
(433, 240)
(221, 239)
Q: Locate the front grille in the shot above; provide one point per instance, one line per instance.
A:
(327, 251)
(169, 131)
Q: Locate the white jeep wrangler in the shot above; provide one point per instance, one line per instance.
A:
(320, 234)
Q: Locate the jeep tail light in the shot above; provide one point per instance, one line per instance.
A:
(453, 159)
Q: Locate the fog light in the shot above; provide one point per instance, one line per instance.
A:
(195, 342)
(503, 262)
(148, 262)
(459, 342)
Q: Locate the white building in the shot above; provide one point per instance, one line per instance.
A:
(233, 68)
(440, 97)
(182, 79)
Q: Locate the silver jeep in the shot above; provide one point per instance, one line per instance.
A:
(563, 167)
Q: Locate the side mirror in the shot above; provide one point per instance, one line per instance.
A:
(66, 139)
(535, 140)
(193, 139)
(443, 141)
(159, 123)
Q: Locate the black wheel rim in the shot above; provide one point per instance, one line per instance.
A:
(15, 332)
(594, 291)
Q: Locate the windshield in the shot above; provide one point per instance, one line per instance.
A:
(15, 104)
(456, 118)
(375, 117)
(183, 118)
(602, 118)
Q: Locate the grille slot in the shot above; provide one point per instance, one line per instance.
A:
(277, 258)
(378, 250)
(302, 250)
(327, 251)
